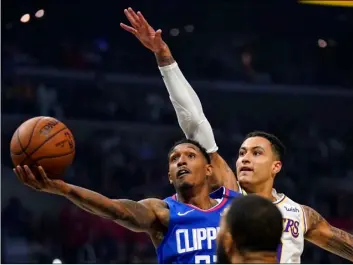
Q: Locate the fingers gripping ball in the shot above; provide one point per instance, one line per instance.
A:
(46, 142)
(39, 182)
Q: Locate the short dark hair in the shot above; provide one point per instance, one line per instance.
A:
(255, 224)
(277, 146)
(197, 144)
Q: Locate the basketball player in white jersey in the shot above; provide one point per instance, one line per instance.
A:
(258, 163)
(259, 156)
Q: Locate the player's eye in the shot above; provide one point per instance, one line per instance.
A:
(257, 153)
(191, 155)
(241, 153)
(174, 158)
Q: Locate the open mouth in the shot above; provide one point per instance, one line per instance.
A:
(246, 169)
(182, 172)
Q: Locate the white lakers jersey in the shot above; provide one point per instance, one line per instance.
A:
(294, 228)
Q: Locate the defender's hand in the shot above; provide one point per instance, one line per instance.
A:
(39, 182)
(150, 38)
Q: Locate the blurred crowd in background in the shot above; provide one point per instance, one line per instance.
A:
(284, 69)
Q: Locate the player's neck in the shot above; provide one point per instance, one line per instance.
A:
(197, 197)
(263, 190)
(260, 257)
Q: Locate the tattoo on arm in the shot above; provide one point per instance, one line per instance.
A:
(322, 234)
(135, 215)
(312, 216)
(164, 57)
(164, 60)
(341, 243)
(131, 214)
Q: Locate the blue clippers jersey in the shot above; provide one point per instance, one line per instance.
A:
(192, 232)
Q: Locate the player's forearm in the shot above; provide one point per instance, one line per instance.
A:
(334, 240)
(187, 106)
(130, 214)
(322, 234)
(93, 202)
(340, 243)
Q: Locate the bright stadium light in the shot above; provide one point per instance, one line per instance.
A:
(39, 13)
(57, 261)
(25, 18)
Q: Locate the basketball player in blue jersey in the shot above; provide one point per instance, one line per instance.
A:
(259, 158)
(250, 231)
(183, 228)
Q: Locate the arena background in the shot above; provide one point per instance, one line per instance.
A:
(257, 65)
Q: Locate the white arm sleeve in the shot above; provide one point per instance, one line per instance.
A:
(188, 108)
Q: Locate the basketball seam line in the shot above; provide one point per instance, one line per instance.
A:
(23, 151)
(49, 138)
(54, 156)
(39, 146)
(48, 172)
(34, 127)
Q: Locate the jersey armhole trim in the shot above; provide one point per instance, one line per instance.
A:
(304, 219)
(169, 229)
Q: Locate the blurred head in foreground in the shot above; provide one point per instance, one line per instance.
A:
(250, 231)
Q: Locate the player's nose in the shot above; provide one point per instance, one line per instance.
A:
(182, 161)
(245, 160)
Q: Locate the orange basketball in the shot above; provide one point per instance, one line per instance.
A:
(46, 142)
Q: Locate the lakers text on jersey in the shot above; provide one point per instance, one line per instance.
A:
(294, 228)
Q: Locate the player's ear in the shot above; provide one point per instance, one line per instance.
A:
(276, 167)
(231, 249)
(228, 243)
(235, 256)
(209, 170)
(170, 179)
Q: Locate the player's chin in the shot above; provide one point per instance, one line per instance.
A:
(185, 185)
(246, 178)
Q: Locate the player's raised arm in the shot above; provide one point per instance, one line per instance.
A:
(186, 103)
(322, 234)
(136, 216)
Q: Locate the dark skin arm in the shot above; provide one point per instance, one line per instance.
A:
(322, 234)
(151, 39)
(223, 175)
(150, 215)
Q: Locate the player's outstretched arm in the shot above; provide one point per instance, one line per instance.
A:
(186, 103)
(136, 216)
(322, 234)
